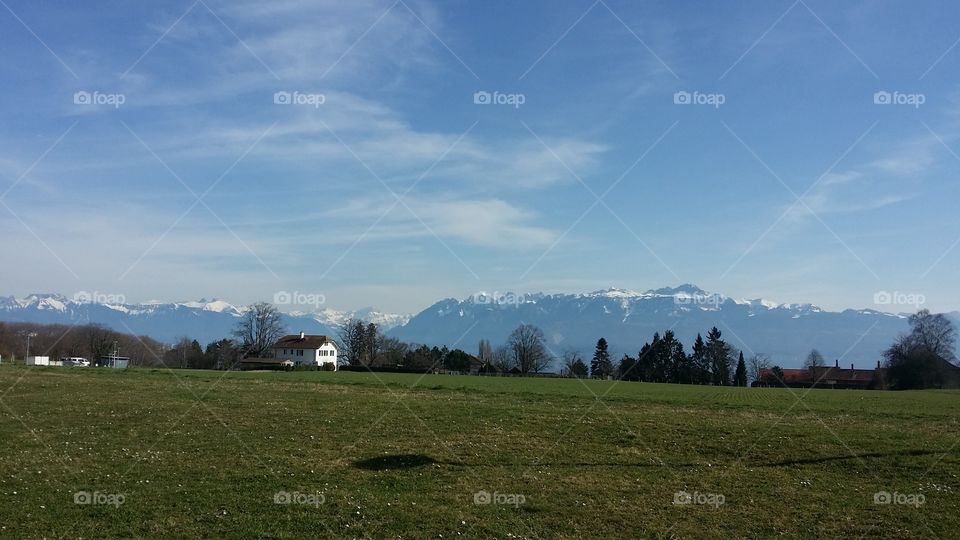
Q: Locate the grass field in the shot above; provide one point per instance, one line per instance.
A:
(208, 454)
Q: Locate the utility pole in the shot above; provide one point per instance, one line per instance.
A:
(29, 335)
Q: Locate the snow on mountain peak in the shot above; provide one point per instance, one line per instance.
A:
(614, 292)
(686, 290)
(217, 306)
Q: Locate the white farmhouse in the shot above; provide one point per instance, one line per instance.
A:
(307, 350)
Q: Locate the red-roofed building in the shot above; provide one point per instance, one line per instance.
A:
(825, 377)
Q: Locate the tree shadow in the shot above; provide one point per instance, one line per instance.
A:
(394, 461)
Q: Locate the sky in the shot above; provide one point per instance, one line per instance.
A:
(393, 153)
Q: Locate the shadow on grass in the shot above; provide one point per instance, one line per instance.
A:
(825, 459)
(394, 461)
(410, 461)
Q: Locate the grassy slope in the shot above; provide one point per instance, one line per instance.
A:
(587, 468)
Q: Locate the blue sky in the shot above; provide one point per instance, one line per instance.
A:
(398, 189)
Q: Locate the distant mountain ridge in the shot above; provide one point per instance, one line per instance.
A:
(626, 318)
(203, 320)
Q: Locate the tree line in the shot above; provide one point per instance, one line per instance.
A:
(91, 341)
(664, 360)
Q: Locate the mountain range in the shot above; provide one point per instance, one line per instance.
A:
(627, 319)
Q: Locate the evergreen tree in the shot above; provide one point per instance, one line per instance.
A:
(628, 368)
(601, 367)
(579, 369)
(699, 363)
(740, 377)
(719, 356)
(644, 365)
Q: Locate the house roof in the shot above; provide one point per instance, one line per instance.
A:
(840, 374)
(300, 341)
(789, 375)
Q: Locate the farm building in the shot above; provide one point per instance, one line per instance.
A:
(826, 377)
(307, 350)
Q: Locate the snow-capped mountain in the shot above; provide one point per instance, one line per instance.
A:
(204, 320)
(627, 319)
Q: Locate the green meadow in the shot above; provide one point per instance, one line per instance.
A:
(97, 453)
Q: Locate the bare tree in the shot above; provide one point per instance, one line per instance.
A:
(529, 352)
(353, 342)
(502, 359)
(259, 329)
(573, 364)
(935, 333)
(814, 359)
(756, 365)
(99, 341)
(485, 353)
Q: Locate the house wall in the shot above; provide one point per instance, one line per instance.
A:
(326, 354)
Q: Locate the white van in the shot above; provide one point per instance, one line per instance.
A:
(75, 362)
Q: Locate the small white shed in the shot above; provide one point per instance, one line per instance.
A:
(38, 361)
